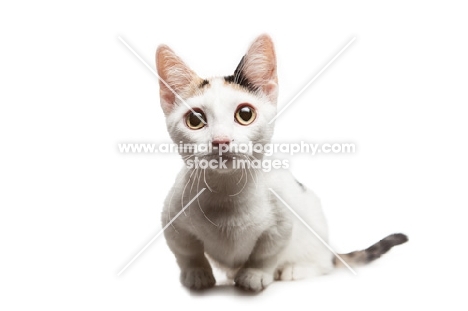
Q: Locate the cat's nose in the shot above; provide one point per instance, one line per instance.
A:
(220, 141)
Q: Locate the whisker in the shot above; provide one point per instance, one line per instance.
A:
(255, 170)
(245, 183)
(249, 169)
(170, 205)
(204, 179)
(183, 191)
(193, 183)
(199, 206)
(241, 176)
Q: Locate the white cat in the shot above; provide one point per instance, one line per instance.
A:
(237, 222)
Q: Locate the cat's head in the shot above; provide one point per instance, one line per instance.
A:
(230, 110)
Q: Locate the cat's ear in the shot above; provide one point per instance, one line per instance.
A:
(258, 67)
(175, 76)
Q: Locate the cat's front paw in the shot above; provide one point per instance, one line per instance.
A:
(253, 279)
(197, 278)
(291, 272)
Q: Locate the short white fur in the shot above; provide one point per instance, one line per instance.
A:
(237, 223)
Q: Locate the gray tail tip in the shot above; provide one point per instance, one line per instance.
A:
(384, 245)
(375, 251)
(396, 239)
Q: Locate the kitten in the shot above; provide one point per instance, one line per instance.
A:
(238, 223)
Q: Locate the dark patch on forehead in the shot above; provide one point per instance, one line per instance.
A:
(239, 78)
(203, 83)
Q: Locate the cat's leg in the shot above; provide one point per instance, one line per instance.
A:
(195, 270)
(259, 270)
(298, 271)
(291, 272)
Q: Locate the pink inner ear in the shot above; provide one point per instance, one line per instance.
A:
(270, 88)
(178, 76)
(167, 101)
(260, 65)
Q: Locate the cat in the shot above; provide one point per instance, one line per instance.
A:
(238, 223)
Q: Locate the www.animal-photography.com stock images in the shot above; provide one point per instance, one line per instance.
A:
(247, 154)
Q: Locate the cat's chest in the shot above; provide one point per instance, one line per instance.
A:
(230, 232)
(230, 223)
(231, 245)
(230, 218)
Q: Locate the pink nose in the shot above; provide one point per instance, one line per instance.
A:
(220, 141)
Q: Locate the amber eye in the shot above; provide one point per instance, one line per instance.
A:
(245, 115)
(194, 119)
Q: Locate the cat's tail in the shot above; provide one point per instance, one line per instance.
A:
(371, 253)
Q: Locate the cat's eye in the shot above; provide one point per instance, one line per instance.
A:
(194, 119)
(245, 114)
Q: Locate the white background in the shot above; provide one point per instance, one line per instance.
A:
(74, 211)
